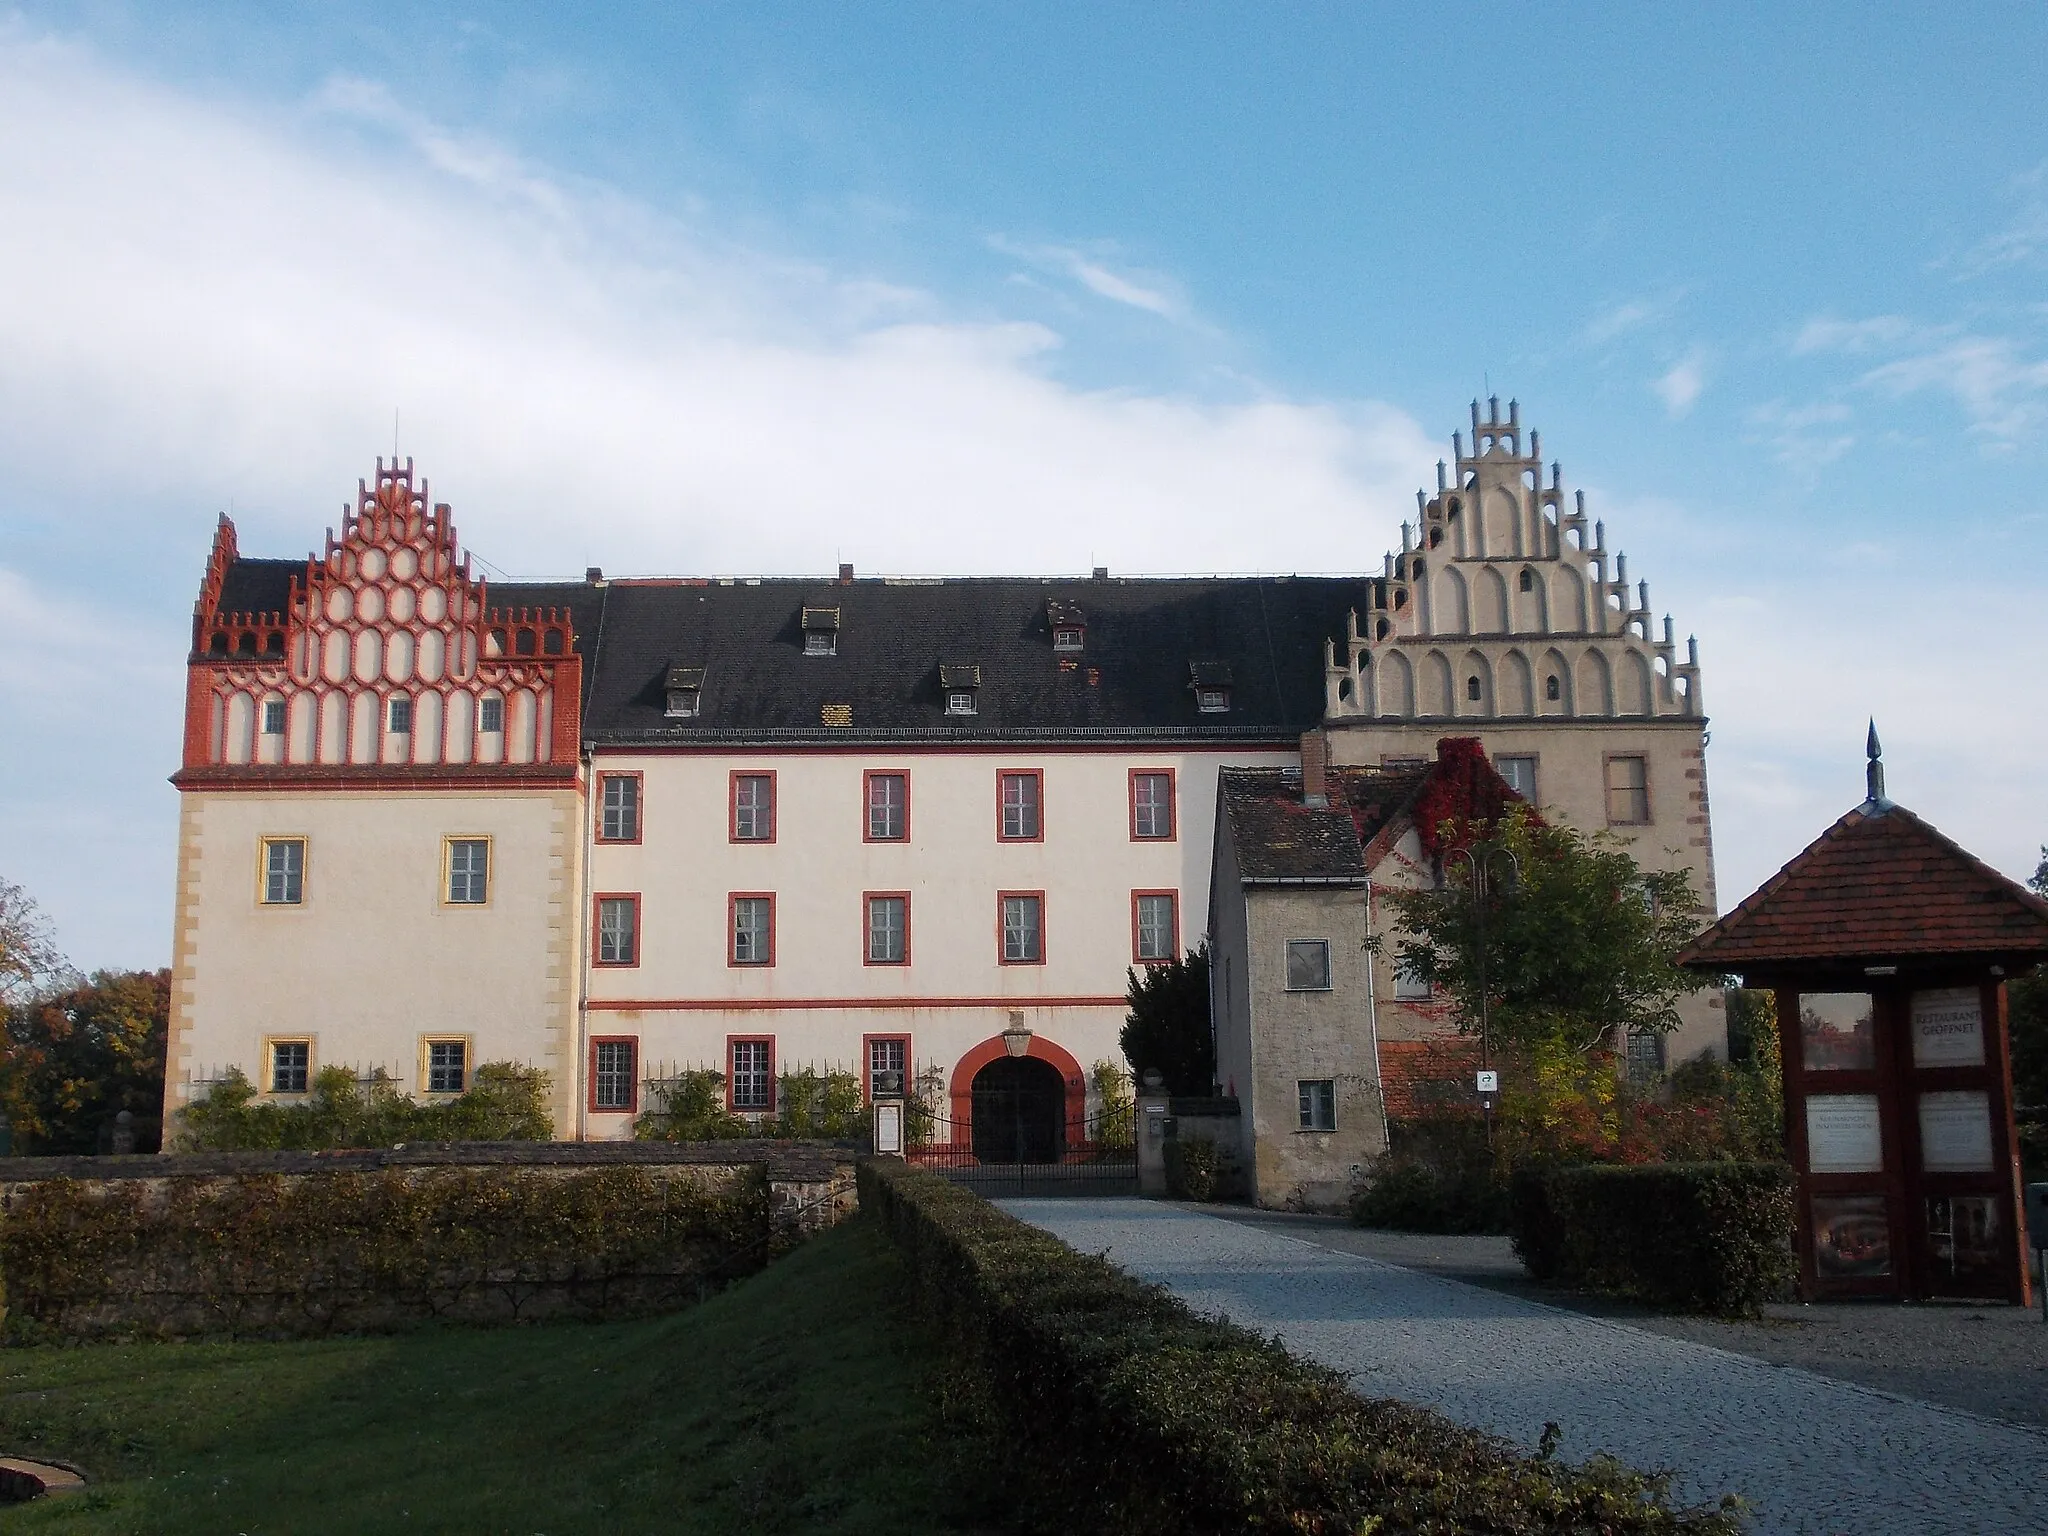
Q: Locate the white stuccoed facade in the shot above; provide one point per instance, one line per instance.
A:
(374, 702)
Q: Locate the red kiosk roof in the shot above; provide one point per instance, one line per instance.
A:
(1879, 884)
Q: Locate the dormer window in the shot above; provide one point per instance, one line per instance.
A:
(961, 686)
(1210, 681)
(683, 689)
(821, 631)
(1069, 627)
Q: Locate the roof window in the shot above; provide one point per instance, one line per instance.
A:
(1211, 682)
(1069, 625)
(960, 683)
(821, 631)
(684, 688)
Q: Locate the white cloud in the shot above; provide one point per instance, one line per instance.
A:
(216, 303)
(1804, 436)
(1825, 333)
(1618, 320)
(1152, 292)
(1679, 386)
(2025, 238)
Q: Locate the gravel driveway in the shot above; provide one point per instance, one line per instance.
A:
(1811, 1454)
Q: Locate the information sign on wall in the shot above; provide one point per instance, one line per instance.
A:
(1843, 1134)
(1948, 1027)
(1955, 1132)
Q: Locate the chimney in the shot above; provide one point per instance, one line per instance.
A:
(845, 575)
(1102, 573)
(1315, 768)
(593, 575)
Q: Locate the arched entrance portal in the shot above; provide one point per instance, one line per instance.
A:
(1019, 1111)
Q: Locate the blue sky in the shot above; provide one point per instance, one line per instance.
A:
(954, 287)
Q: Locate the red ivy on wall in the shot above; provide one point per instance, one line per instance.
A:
(1464, 791)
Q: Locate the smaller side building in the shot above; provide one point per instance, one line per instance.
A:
(1298, 1001)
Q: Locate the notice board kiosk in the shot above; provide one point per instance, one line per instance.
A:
(1888, 948)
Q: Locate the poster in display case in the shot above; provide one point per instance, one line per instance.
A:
(1852, 1239)
(1964, 1238)
(1955, 1132)
(1948, 1027)
(1844, 1134)
(1837, 1032)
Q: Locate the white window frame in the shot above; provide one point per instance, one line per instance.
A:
(752, 943)
(303, 1068)
(1067, 638)
(1315, 1102)
(619, 816)
(1212, 701)
(895, 826)
(1166, 932)
(961, 701)
(620, 1080)
(759, 1073)
(821, 642)
(1327, 983)
(1014, 831)
(898, 934)
(1409, 988)
(289, 883)
(1160, 810)
(618, 930)
(437, 1071)
(753, 819)
(1501, 763)
(459, 864)
(1023, 940)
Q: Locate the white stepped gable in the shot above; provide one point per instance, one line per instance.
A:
(1502, 608)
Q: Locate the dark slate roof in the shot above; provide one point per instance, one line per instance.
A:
(259, 586)
(1131, 679)
(1148, 638)
(1880, 884)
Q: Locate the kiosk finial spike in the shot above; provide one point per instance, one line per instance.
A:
(1873, 770)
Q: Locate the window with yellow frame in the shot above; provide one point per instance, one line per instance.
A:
(465, 871)
(281, 871)
(446, 1062)
(289, 1062)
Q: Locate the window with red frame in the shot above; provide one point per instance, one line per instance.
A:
(1023, 916)
(753, 930)
(752, 1074)
(1152, 806)
(753, 808)
(1155, 926)
(889, 1054)
(1019, 795)
(618, 808)
(618, 930)
(888, 930)
(614, 1073)
(888, 807)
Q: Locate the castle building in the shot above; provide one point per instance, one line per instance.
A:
(614, 828)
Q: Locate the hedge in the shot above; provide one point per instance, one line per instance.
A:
(1107, 1405)
(281, 1254)
(1693, 1237)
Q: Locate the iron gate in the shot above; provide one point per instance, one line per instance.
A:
(1006, 1150)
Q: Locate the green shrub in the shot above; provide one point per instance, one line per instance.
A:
(315, 1253)
(690, 1107)
(1695, 1237)
(1438, 1175)
(504, 1102)
(815, 1107)
(1108, 1406)
(1194, 1168)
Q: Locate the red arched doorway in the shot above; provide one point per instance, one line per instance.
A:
(1073, 1082)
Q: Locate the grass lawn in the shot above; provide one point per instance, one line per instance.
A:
(796, 1401)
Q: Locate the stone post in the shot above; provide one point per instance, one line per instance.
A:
(1155, 1110)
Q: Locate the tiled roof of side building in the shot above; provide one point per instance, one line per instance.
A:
(1279, 836)
(1132, 676)
(1878, 884)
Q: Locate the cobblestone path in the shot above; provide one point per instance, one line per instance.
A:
(1814, 1456)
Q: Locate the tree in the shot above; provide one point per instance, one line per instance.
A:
(1579, 948)
(71, 1061)
(1168, 1025)
(29, 960)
